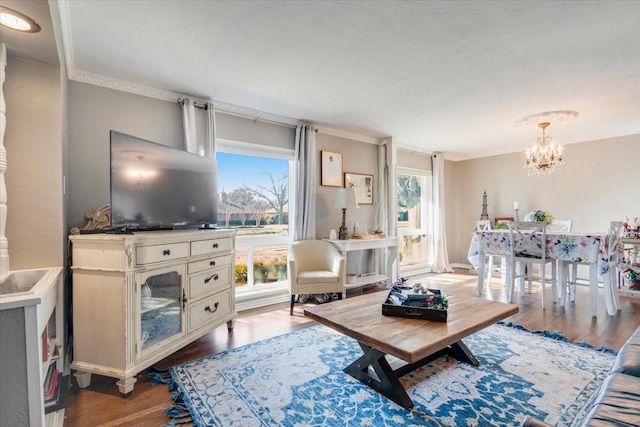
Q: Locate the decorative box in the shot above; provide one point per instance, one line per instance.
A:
(412, 308)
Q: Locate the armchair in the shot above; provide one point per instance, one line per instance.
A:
(315, 267)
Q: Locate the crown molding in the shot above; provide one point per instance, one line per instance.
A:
(263, 116)
(347, 135)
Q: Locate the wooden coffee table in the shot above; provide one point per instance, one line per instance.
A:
(414, 341)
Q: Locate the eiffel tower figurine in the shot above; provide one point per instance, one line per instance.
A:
(484, 214)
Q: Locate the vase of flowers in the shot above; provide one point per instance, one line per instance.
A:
(539, 216)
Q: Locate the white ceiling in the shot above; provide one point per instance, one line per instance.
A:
(441, 76)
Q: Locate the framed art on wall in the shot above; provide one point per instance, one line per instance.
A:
(331, 167)
(363, 184)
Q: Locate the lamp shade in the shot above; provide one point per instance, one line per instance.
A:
(346, 198)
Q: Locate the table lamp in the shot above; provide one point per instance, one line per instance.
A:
(345, 199)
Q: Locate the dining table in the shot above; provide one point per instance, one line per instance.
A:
(564, 247)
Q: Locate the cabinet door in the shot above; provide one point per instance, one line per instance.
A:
(160, 314)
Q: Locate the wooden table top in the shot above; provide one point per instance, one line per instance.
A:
(410, 339)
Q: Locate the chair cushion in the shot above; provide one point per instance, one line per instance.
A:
(307, 277)
(628, 359)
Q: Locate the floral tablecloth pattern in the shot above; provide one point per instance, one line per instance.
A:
(565, 246)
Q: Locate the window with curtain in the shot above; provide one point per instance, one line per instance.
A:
(414, 200)
(255, 187)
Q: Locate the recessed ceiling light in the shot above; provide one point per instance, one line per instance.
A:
(17, 21)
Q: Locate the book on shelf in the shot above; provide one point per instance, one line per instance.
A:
(45, 343)
(55, 396)
(51, 382)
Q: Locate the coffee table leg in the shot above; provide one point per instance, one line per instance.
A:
(387, 383)
(460, 351)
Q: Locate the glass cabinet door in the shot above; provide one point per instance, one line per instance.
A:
(159, 294)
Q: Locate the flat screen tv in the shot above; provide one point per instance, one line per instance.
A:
(154, 186)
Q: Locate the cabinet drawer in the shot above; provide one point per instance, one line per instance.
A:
(158, 253)
(209, 282)
(208, 310)
(201, 247)
(205, 264)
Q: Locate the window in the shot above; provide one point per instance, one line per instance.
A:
(414, 219)
(255, 193)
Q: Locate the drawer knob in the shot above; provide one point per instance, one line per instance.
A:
(166, 252)
(215, 246)
(212, 263)
(214, 276)
(215, 308)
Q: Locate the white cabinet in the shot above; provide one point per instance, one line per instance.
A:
(139, 297)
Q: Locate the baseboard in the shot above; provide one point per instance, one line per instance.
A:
(261, 298)
(463, 266)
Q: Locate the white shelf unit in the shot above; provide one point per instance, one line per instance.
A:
(31, 305)
(633, 246)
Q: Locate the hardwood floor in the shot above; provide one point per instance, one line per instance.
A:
(102, 405)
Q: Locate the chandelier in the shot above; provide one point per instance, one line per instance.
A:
(545, 156)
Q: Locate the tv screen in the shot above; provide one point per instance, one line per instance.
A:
(154, 186)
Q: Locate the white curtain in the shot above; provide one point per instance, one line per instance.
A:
(211, 131)
(198, 126)
(439, 250)
(386, 205)
(189, 125)
(306, 171)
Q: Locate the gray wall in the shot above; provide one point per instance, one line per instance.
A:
(595, 186)
(357, 157)
(92, 112)
(34, 142)
(599, 183)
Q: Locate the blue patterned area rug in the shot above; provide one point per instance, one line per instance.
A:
(297, 380)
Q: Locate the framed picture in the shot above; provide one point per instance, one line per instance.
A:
(363, 184)
(331, 167)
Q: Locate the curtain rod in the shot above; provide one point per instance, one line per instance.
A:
(195, 104)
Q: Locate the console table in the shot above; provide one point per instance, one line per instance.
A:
(349, 245)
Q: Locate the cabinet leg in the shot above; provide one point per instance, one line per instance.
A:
(126, 385)
(230, 324)
(83, 379)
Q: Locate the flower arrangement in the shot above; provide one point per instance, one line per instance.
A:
(539, 216)
(632, 273)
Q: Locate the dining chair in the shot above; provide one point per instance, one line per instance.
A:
(528, 242)
(561, 225)
(613, 253)
(483, 225)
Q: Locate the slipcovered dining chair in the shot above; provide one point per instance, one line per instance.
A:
(315, 267)
(528, 246)
(482, 225)
(562, 225)
(613, 254)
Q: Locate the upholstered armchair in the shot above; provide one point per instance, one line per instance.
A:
(315, 267)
